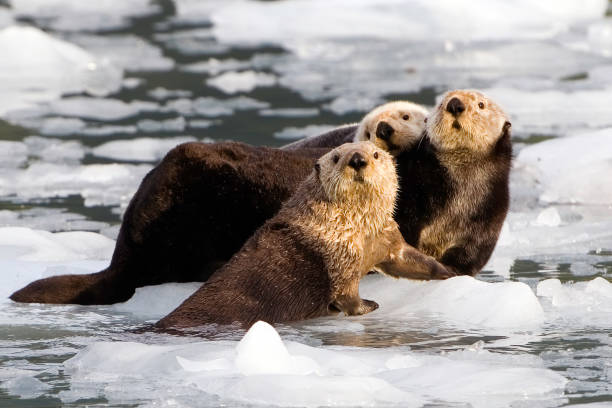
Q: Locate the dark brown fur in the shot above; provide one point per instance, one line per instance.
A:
(202, 202)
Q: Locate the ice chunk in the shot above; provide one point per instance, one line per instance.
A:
(461, 301)
(34, 245)
(573, 169)
(168, 125)
(549, 217)
(51, 219)
(154, 302)
(261, 351)
(211, 107)
(214, 66)
(141, 149)
(99, 108)
(292, 133)
(36, 67)
(61, 126)
(129, 52)
(343, 376)
(289, 23)
(163, 93)
(583, 303)
(290, 112)
(246, 81)
(76, 15)
(98, 184)
(12, 154)
(25, 386)
(555, 111)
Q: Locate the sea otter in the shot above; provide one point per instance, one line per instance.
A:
(203, 201)
(393, 126)
(308, 259)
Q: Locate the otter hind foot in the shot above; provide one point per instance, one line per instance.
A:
(354, 306)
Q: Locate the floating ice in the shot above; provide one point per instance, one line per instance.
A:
(129, 52)
(25, 386)
(98, 184)
(583, 303)
(214, 66)
(549, 218)
(163, 93)
(154, 302)
(292, 132)
(50, 219)
(555, 111)
(99, 108)
(294, 23)
(573, 169)
(12, 154)
(262, 369)
(36, 67)
(156, 126)
(246, 81)
(141, 149)
(35, 245)
(211, 107)
(290, 112)
(192, 42)
(61, 126)
(6, 18)
(460, 301)
(76, 15)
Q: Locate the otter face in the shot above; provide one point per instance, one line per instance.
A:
(354, 169)
(467, 119)
(394, 126)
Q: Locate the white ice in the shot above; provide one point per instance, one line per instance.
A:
(141, 149)
(290, 23)
(265, 370)
(245, 81)
(35, 67)
(76, 15)
(292, 132)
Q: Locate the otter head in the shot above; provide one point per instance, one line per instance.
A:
(360, 173)
(467, 120)
(394, 126)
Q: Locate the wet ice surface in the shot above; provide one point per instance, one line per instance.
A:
(93, 94)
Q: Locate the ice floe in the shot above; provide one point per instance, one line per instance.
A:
(265, 370)
(75, 15)
(35, 67)
(98, 184)
(292, 132)
(245, 81)
(141, 149)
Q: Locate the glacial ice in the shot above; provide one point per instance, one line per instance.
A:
(142, 149)
(67, 68)
(293, 133)
(264, 369)
(76, 15)
(245, 81)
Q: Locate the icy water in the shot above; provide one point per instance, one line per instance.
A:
(92, 95)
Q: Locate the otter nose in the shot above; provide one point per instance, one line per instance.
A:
(384, 131)
(455, 106)
(357, 161)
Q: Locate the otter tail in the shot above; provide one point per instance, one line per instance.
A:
(101, 288)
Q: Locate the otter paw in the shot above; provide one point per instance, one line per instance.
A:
(441, 272)
(366, 306)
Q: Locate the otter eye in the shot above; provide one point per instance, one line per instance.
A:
(406, 117)
(481, 105)
(425, 120)
(368, 135)
(317, 167)
(376, 155)
(336, 158)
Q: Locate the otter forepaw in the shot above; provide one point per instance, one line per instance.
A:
(366, 306)
(441, 272)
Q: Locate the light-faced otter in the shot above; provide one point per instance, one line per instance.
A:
(308, 259)
(203, 201)
(457, 198)
(393, 126)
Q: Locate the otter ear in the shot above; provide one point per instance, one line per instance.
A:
(317, 168)
(506, 129)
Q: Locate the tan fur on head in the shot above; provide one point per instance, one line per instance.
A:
(476, 129)
(406, 118)
(376, 181)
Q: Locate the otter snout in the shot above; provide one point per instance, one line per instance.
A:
(455, 107)
(357, 161)
(384, 131)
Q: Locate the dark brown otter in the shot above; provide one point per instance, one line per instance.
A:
(203, 201)
(308, 259)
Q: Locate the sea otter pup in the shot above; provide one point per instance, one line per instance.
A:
(203, 201)
(308, 259)
(393, 126)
